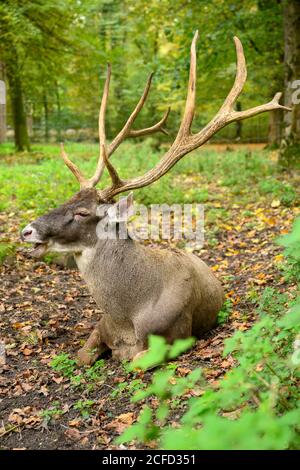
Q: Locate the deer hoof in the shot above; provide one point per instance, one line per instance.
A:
(86, 357)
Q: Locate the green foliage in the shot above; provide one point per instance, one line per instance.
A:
(46, 41)
(283, 191)
(272, 302)
(127, 388)
(225, 312)
(256, 404)
(144, 430)
(219, 433)
(291, 243)
(86, 378)
(166, 387)
(95, 373)
(51, 413)
(40, 181)
(159, 351)
(64, 365)
(84, 407)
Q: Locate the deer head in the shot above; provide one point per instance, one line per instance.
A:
(72, 226)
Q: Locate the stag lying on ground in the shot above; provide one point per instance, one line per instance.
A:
(140, 290)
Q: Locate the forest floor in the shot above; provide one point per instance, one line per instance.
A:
(46, 311)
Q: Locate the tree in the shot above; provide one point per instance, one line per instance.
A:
(17, 102)
(63, 48)
(2, 103)
(290, 146)
(36, 32)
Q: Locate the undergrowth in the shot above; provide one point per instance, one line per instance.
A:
(254, 406)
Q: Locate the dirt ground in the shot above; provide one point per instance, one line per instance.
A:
(47, 310)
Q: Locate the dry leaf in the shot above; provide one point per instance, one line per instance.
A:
(275, 203)
(75, 423)
(183, 371)
(27, 351)
(121, 422)
(73, 434)
(44, 390)
(58, 380)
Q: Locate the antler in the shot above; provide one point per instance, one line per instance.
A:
(185, 141)
(126, 131)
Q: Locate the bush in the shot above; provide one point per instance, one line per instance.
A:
(256, 404)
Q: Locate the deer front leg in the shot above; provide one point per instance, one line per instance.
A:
(93, 347)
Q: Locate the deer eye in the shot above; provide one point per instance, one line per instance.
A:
(82, 213)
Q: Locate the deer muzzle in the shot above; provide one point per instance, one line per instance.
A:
(30, 235)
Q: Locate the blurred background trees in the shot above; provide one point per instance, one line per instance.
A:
(54, 56)
(290, 144)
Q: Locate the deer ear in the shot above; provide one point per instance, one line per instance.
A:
(122, 210)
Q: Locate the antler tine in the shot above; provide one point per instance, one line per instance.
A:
(90, 183)
(186, 123)
(273, 104)
(102, 111)
(127, 126)
(126, 131)
(102, 136)
(75, 170)
(240, 78)
(150, 130)
(116, 180)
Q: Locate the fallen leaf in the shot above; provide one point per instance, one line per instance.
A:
(27, 351)
(44, 390)
(75, 423)
(126, 418)
(121, 422)
(26, 387)
(58, 380)
(225, 364)
(73, 434)
(183, 371)
(275, 203)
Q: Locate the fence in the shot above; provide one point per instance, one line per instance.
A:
(255, 131)
(79, 124)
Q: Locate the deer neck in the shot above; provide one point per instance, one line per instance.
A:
(111, 269)
(105, 255)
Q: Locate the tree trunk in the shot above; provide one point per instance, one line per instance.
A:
(238, 124)
(274, 131)
(46, 116)
(290, 145)
(2, 104)
(58, 106)
(17, 106)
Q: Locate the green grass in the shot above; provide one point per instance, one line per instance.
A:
(6, 249)
(281, 190)
(33, 183)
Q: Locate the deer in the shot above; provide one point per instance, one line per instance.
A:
(140, 290)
